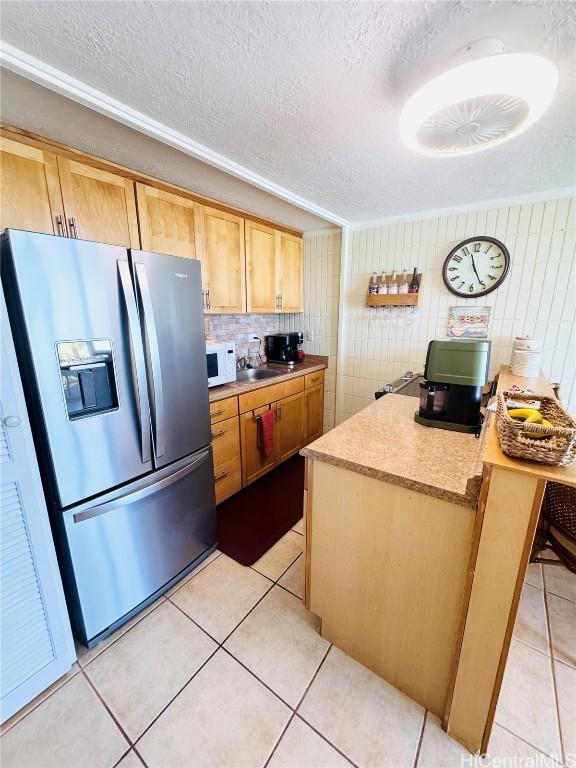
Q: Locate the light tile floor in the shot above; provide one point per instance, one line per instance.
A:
(228, 671)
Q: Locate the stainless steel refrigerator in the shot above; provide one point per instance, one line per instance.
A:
(110, 344)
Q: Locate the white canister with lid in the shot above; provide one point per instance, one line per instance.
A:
(526, 357)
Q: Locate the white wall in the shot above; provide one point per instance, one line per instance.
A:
(538, 296)
(319, 321)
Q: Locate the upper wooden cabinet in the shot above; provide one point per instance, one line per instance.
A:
(99, 205)
(246, 266)
(274, 276)
(30, 189)
(291, 273)
(221, 236)
(167, 222)
(261, 268)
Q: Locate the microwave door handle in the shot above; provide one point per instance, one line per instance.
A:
(153, 359)
(139, 366)
(121, 498)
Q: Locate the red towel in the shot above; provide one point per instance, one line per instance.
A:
(265, 437)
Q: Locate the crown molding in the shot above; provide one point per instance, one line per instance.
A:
(504, 202)
(27, 66)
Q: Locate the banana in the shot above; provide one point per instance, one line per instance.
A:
(538, 435)
(526, 414)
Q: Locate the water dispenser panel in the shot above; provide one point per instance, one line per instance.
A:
(87, 374)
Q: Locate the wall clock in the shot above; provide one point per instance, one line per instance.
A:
(476, 267)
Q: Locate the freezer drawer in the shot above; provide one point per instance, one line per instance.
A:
(125, 546)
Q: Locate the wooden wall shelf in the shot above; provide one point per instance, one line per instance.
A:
(394, 299)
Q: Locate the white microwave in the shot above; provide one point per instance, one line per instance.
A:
(221, 363)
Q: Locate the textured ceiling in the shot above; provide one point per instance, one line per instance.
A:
(308, 94)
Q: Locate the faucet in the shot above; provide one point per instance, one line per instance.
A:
(241, 363)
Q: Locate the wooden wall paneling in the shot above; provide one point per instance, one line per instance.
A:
(509, 521)
(30, 196)
(167, 222)
(99, 205)
(308, 480)
(382, 606)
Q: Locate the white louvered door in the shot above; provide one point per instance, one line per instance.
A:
(36, 645)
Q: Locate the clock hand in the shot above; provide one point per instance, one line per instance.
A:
(476, 272)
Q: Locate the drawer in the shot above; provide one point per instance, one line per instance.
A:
(223, 409)
(227, 479)
(290, 387)
(225, 440)
(258, 398)
(313, 379)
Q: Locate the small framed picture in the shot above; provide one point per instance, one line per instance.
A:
(468, 322)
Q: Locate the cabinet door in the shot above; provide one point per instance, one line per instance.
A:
(99, 205)
(37, 646)
(262, 274)
(167, 222)
(314, 398)
(289, 426)
(30, 189)
(291, 271)
(223, 261)
(254, 464)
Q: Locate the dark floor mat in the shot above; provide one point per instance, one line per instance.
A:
(254, 519)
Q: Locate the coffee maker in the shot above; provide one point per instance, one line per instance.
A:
(284, 348)
(451, 394)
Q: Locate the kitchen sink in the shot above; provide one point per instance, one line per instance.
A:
(256, 374)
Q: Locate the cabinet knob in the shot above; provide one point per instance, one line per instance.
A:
(11, 421)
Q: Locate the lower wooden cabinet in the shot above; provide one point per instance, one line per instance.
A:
(298, 406)
(314, 401)
(227, 479)
(226, 453)
(254, 463)
(289, 426)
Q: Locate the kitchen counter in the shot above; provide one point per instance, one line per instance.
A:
(311, 364)
(384, 442)
(417, 545)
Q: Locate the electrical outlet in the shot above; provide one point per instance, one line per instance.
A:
(253, 337)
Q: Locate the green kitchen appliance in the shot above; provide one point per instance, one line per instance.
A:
(451, 394)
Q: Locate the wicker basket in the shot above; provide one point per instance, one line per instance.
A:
(559, 444)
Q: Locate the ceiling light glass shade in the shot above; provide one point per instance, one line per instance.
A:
(479, 104)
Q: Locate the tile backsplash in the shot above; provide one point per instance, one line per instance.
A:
(237, 328)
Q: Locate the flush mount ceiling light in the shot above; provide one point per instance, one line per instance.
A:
(480, 103)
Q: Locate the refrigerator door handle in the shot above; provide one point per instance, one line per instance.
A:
(153, 359)
(139, 374)
(123, 498)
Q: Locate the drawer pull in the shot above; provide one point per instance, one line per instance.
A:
(218, 434)
(217, 413)
(220, 476)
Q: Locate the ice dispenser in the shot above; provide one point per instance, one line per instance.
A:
(87, 373)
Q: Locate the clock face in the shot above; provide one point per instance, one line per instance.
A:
(476, 266)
